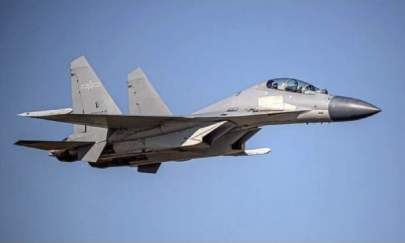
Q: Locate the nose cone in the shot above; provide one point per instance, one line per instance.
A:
(348, 109)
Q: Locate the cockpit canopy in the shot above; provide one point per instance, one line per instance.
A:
(293, 85)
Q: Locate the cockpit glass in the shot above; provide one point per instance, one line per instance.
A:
(292, 85)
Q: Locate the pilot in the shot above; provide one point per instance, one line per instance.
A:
(282, 85)
(292, 85)
(271, 84)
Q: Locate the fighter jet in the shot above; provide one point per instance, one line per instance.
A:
(150, 134)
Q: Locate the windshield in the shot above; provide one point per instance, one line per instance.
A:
(292, 85)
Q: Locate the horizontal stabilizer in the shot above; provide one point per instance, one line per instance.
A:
(51, 145)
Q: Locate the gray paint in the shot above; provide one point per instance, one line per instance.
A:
(150, 135)
(142, 96)
(346, 109)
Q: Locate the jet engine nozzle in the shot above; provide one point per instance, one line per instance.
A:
(65, 155)
(348, 109)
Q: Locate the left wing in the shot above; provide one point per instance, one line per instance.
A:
(140, 122)
(51, 145)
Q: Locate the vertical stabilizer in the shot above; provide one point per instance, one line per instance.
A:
(143, 98)
(88, 93)
(90, 97)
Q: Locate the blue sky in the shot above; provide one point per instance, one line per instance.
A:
(330, 182)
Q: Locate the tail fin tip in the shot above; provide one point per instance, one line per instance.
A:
(79, 62)
(136, 73)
